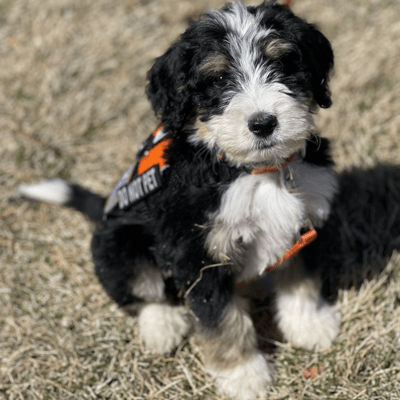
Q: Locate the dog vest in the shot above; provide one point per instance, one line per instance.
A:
(143, 177)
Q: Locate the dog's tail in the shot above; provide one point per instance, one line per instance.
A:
(64, 193)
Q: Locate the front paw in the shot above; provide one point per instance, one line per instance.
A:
(309, 322)
(247, 381)
(162, 327)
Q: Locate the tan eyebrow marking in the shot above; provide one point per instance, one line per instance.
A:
(276, 48)
(214, 64)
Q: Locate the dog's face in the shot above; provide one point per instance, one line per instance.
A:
(244, 81)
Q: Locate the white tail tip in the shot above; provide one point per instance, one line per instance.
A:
(55, 191)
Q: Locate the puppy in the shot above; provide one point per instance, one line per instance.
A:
(227, 188)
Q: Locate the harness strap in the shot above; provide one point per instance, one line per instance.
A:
(304, 241)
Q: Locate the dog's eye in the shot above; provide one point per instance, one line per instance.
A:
(290, 68)
(293, 56)
(220, 80)
(211, 81)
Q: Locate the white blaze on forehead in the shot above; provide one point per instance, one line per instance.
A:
(239, 19)
(244, 33)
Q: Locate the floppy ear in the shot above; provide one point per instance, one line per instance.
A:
(167, 89)
(318, 56)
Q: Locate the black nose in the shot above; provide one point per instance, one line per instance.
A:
(262, 124)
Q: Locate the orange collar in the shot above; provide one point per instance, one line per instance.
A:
(265, 170)
(256, 171)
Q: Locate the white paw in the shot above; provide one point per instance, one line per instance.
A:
(162, 327)
(247, 381)
(309, 322)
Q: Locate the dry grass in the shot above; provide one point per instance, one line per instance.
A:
(72, 104)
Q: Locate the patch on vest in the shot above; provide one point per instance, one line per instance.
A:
(143, 177)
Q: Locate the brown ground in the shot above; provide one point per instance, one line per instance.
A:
(72, 104)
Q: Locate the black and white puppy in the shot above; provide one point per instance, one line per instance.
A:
(195, 215)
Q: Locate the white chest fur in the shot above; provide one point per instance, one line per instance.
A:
(256, 224)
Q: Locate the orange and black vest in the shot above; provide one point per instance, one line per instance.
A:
(143, 177)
